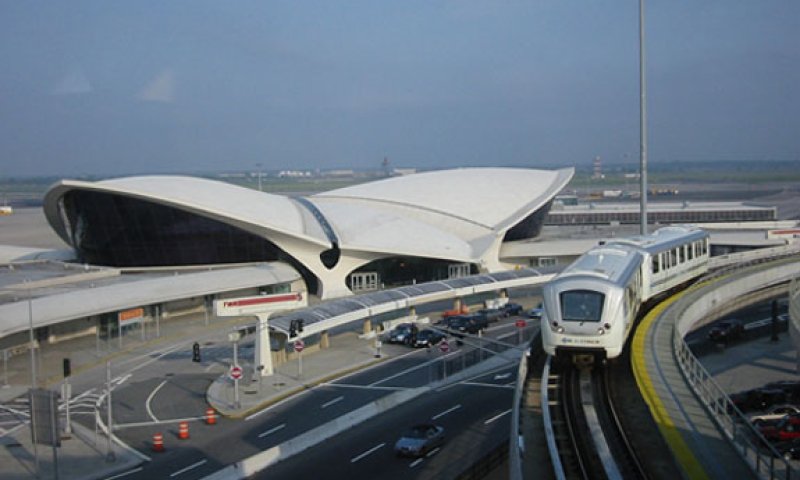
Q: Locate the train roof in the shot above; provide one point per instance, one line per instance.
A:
(662, 239)
(613, 263)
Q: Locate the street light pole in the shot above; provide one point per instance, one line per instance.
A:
(642, 126)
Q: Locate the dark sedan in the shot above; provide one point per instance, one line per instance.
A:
(427, 337)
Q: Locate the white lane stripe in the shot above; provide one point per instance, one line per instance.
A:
(125, 474)
(150, 398)
(415, 462)
(271, 430)
(432, 452)
(499, 415)
(371, 450)
(335, 400)
(186, 469)
(439, 415)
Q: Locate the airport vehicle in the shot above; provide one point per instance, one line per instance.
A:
(427, 338)
(402, 333)
(511, 309)
(472, 323)
(758, 398)
(420, 440)
(536, 312)
(786, 429)
(590, 307)
(726, 330)
(774, 415)
(491, 314)
(789, 450)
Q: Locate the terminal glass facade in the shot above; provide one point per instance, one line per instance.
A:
(120, 231)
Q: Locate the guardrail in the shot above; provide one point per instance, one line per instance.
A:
(691, 310)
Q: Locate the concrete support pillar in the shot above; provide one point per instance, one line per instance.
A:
(504, 293)
(457, 304)
(367, 325)
(324, 340)
(263, 354)
(412, 311)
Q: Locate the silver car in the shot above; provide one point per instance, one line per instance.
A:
(420, 440)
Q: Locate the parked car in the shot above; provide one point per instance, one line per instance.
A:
(510, 309)
(427, 338)
(789, 450)
(420, 440)
(786, 429)
(726, 330)
(774, 414)
(536, 313)
(758, 399)
(402, 333)
(790, 387)
(472, 323)
(491, 314)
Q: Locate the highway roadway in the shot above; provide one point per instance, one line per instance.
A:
(474, 413)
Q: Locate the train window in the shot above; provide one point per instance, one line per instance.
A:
(655, 264)
(582, 306)
(681, 254)
(690, 251)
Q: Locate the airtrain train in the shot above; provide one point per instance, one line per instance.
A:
(590, 307)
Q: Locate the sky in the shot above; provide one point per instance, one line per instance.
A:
(153, 86)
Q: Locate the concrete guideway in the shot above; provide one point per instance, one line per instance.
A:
(679, 403)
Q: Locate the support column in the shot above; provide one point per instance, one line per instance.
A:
(504, 293)
(263, 354)
(367, 325)
(412, 311)
(324, 340)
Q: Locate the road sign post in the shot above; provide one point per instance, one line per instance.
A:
(520, 324)
(299, 345)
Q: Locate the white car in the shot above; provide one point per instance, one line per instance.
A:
(773, 415)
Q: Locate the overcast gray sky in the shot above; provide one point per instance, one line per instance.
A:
(120, 87)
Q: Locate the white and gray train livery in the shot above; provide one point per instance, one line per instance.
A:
(590, 307)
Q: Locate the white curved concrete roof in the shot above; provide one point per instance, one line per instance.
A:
(222, 201)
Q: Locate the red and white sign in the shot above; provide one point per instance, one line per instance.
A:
(128, 317)
(236, 372)
(444, 346)
(299, 345)
(231, 307)
(520, 323)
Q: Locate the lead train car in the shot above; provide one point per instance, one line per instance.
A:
(590, 307)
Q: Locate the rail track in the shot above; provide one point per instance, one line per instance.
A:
(589, 439)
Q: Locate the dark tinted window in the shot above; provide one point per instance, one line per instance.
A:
(582, 306)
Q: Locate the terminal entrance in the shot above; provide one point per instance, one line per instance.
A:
(399, 271)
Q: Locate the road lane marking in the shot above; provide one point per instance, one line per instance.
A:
(150, 398)
(371, 450)
(125, 474)
(365, 387)
(449, 410)
(502, 376)
(487, 422)
(329, 403)
(433, 452)
(271, 430)
(490, 385)
(186, 469)
(415, 462)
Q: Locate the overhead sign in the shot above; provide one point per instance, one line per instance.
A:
(236, 372)
(128, 317)
(231, 307)
(299, 345)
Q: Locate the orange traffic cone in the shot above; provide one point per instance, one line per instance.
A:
(183, 430)
(158, 442)
(211, 419)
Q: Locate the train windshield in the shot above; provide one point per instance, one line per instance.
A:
(582, 306)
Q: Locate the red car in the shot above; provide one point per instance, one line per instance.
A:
(786, 429)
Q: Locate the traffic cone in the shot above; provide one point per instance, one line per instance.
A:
(211, 418)
(158, 442)
(183, 430)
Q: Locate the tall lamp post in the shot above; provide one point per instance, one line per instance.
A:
(642, 126)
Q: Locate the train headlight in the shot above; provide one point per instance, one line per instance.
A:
(560, 329)
(607, 326)
(600, 331)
